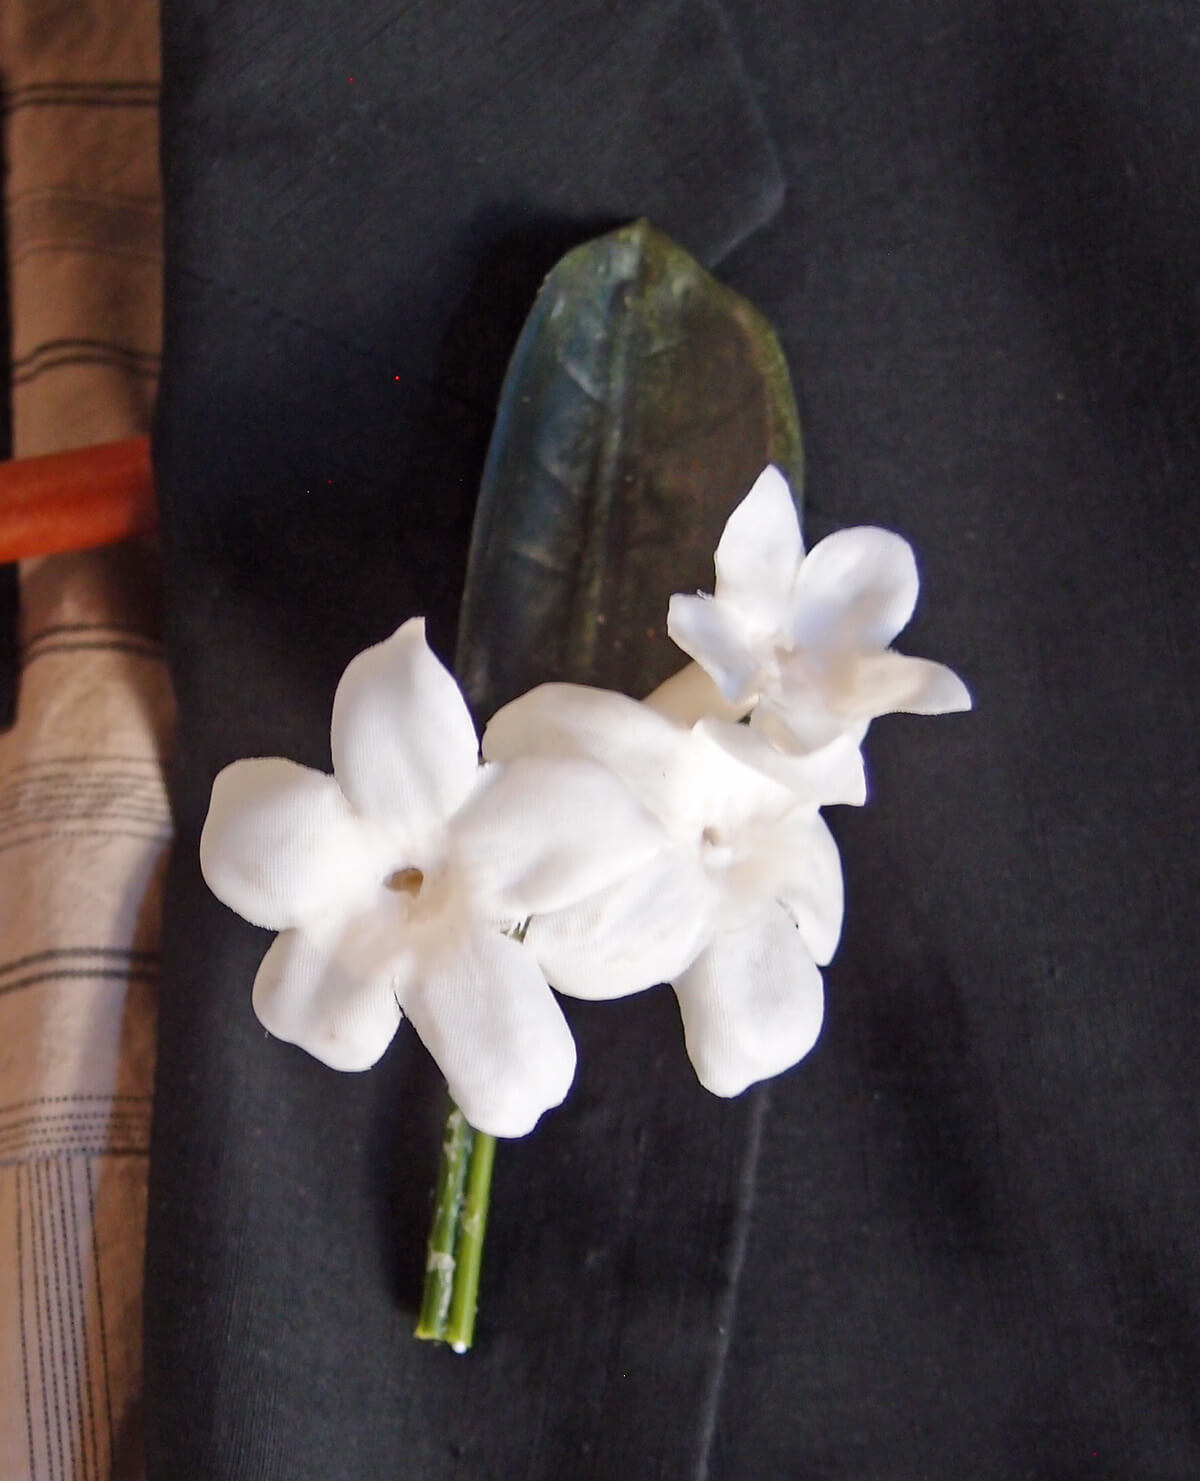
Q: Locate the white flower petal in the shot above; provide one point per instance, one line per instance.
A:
(729, 792)
(281, 845)
(857, 589)
(802, 869)
(716, 635)
(404, 745)
(759, 554)
(648, 752)
(752, 1004)
(798, 726)
(313, 991)
(543, 832)
(691, 695)
(833, 774)
(883, 683)
(631, 936)
(485, 1013)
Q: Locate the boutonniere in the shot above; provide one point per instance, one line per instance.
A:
(593, 844)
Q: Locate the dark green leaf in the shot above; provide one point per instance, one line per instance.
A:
(642, 400)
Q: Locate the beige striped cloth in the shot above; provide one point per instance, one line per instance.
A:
(83, 815)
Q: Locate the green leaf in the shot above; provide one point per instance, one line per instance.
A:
(641, 402)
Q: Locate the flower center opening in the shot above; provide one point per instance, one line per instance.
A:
(715, 851)
(405, 882)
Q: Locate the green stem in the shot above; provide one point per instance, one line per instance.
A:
(460, 1328)
(443, 1233)
(460, 1209)
(455, 1250)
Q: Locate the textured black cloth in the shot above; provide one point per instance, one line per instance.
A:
(962, 1238)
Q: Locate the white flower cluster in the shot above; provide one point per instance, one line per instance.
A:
(625, 843)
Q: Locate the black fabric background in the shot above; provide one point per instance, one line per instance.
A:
(961, 1239)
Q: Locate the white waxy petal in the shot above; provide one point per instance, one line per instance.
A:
(485, 1013)
(801, 859)
(759, 554)
(857, 589)
(313, 991)
(833, 774)
(883, 683)
(629, 937)
(541, 833)
(404, 745)
(752, 1004)
(281, 845)
(716, 635)
(799, 724)
(726, 793)
(647, 751)
(691, 695)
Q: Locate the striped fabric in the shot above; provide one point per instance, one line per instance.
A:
(84, 824)
(84, 217)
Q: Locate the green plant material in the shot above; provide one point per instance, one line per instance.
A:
(460, 1323)
(641, 402)
(440, 1261)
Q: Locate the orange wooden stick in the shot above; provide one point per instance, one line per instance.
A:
(69, 501)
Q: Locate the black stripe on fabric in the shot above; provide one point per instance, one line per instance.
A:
(55, 1121)
(54, 346)
(49, 1366)
(65, 1151)
(25, 799)
(78, 772)
(52, 1149)
(57, 953)
(57, 628)
(31, 1130)
(68, 1150)
(45, 1100)
(98, 974)
(69, 1315)
(100, 1306)
(146, 648)
(65, 100)
(82, 792)
(19, 1179)
(82, 357)
(66, 1108)
(68, 1138)
(29, 1133)
(74, 781)
(69, 85)
(34, 1159)
(84, 1133)
(87, 1346)
(54, 1296)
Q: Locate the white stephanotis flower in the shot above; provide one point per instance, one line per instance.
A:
(805, 639)
(392, 881)
(743, 898)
